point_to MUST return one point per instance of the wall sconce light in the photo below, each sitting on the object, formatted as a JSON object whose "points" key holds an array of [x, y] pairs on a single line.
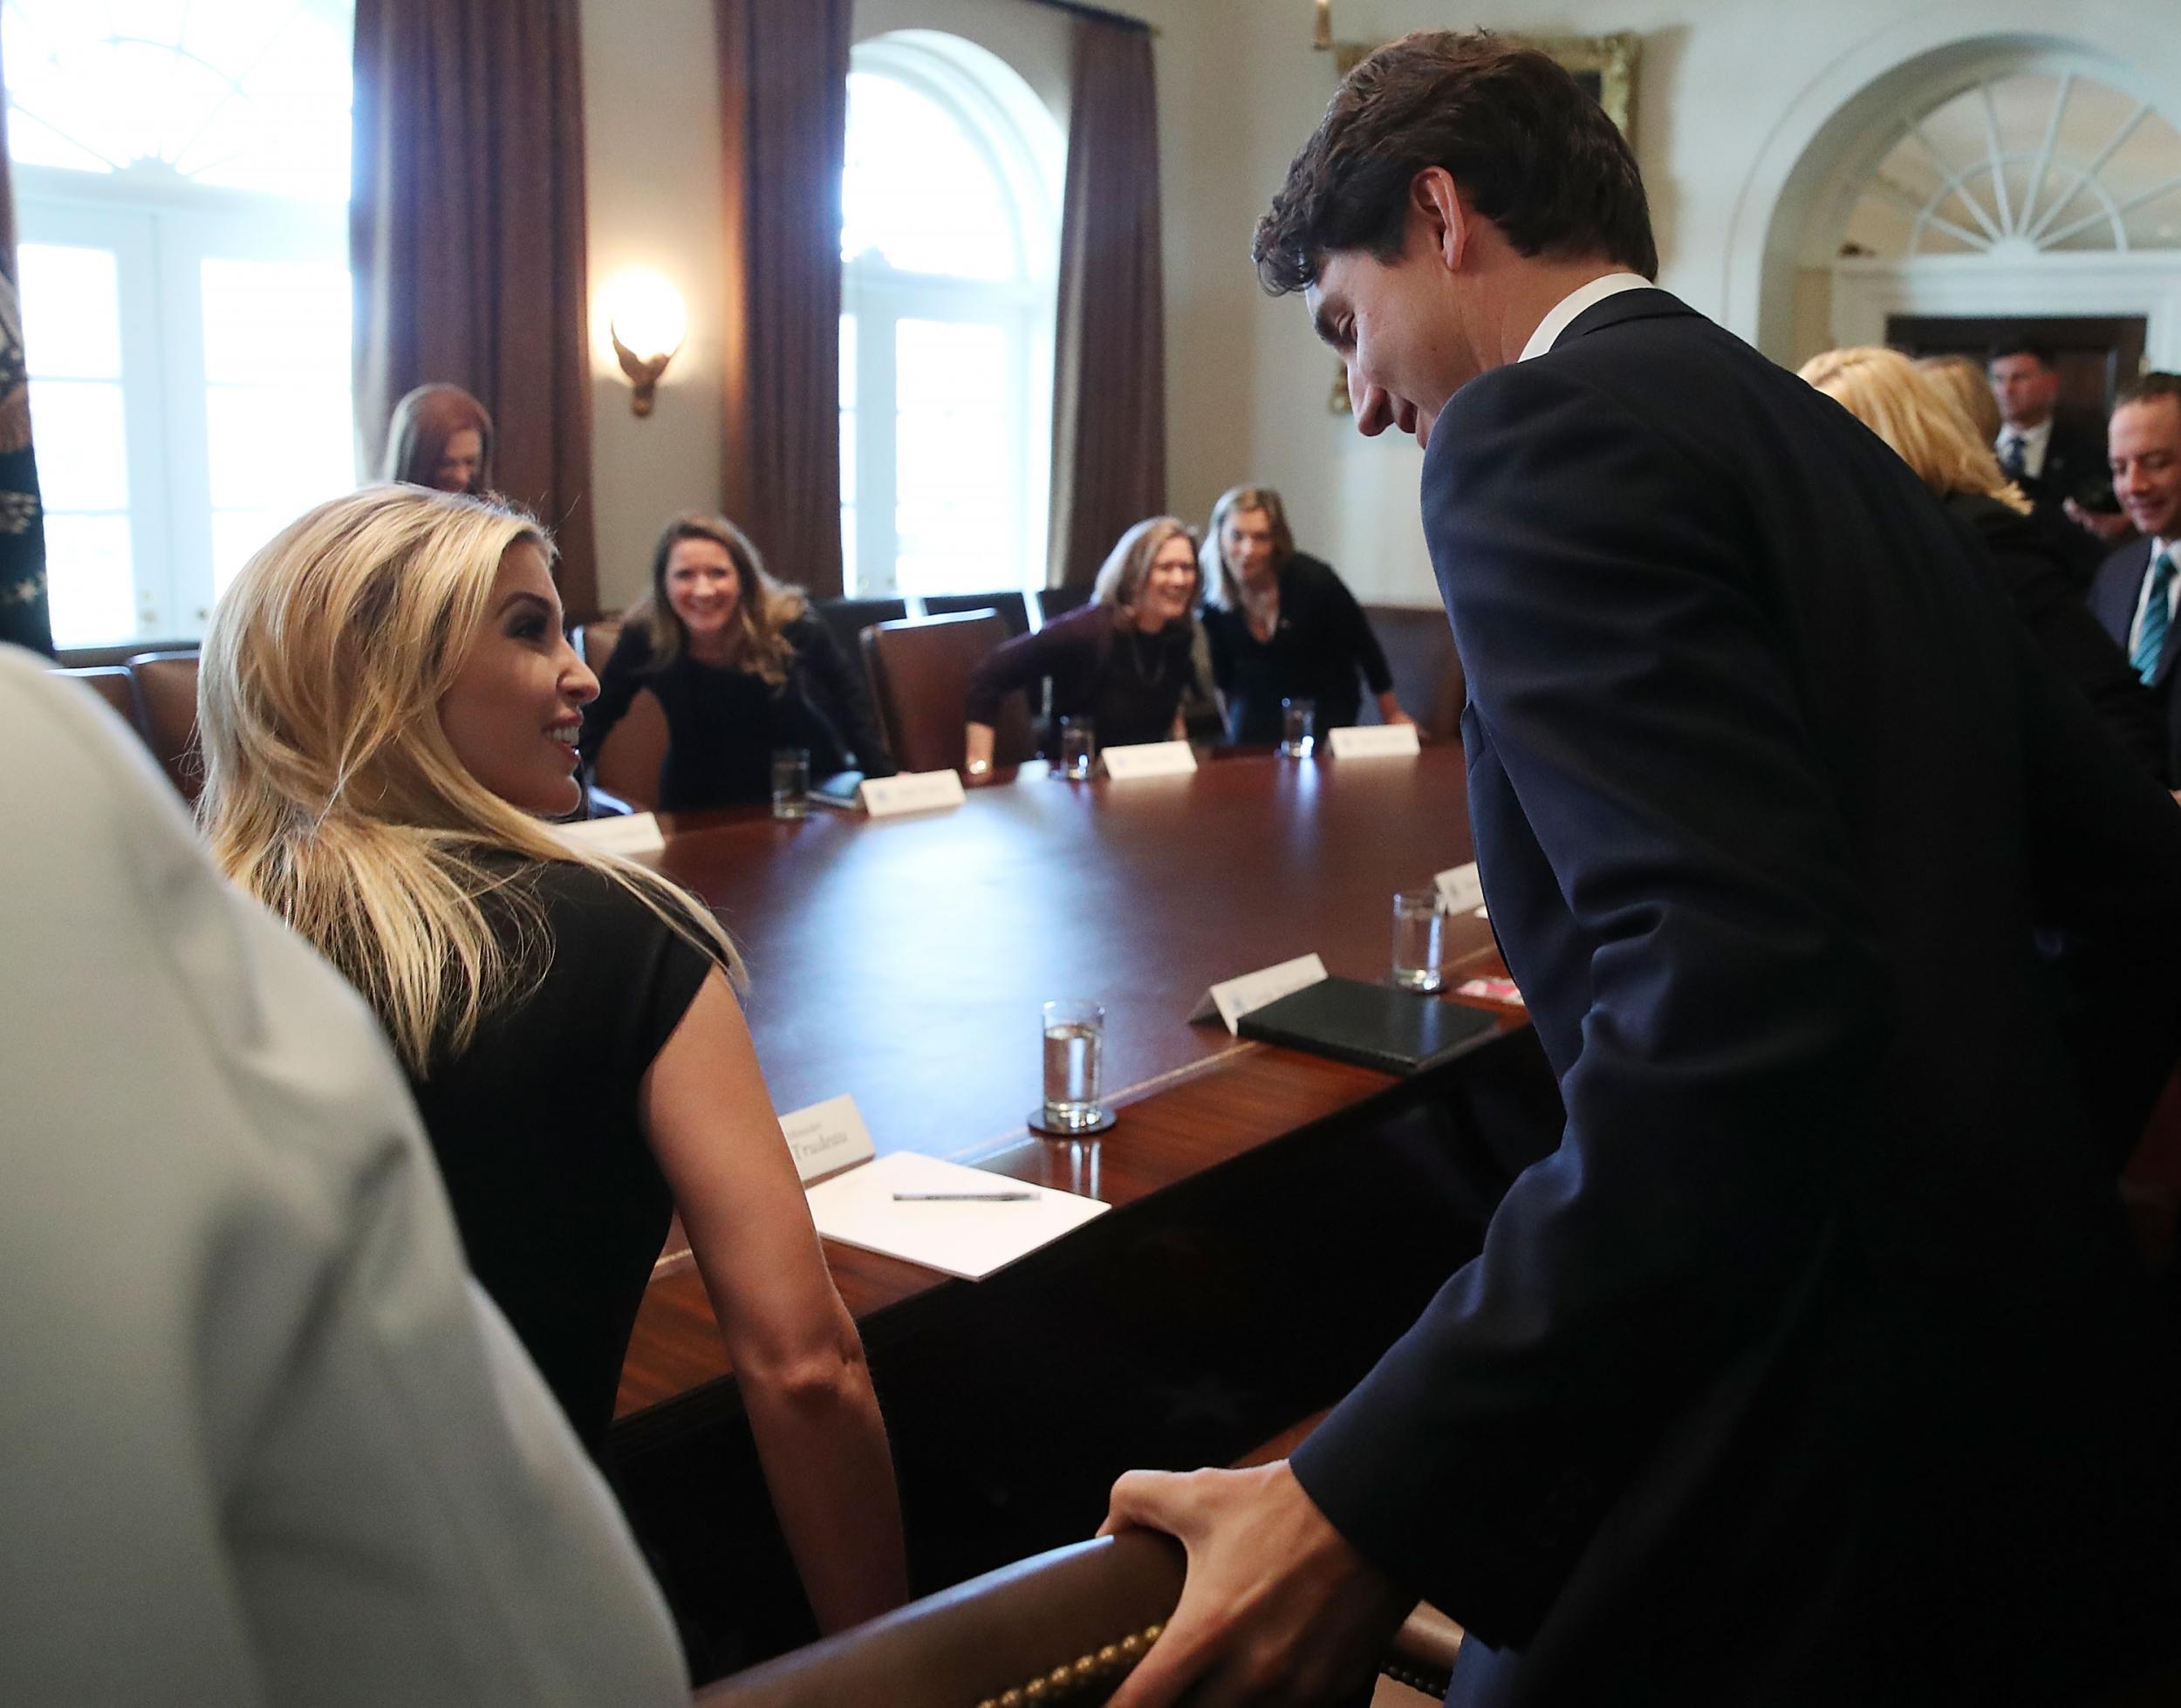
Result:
{"points": [[1322, 34], [647, 322]]}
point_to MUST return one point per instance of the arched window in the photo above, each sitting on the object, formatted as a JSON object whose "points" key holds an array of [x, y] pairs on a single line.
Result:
{"points": [[182, 179], [950, 241], [2023, 162]]}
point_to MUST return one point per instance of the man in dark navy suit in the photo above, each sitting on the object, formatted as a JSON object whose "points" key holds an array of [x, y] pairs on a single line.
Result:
{"points": [[2136, 589], [1814, 1366]]}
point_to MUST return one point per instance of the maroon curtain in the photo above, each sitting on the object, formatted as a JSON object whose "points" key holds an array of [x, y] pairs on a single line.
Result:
{"points": [[24, 619], [783, 77], [466, 237], [1109, 355]]}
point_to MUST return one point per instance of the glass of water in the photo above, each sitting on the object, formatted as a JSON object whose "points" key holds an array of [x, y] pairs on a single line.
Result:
{"points": [[1298, 727], [790, 782], [1074, 1039], [1418, 940], [1079, 747]]}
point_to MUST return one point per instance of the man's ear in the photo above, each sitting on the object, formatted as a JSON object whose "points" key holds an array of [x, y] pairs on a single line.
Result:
{"points": [[1436, 212]]}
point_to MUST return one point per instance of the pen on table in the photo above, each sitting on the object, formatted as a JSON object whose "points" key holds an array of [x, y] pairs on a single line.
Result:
{"points": [[961, 1198]]}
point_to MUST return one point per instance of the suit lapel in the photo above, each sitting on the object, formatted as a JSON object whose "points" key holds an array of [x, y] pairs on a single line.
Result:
{"points": [[2119, 584]]}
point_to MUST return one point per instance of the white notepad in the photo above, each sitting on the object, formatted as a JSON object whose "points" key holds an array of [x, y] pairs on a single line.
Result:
{"points": [[967, 1240]]}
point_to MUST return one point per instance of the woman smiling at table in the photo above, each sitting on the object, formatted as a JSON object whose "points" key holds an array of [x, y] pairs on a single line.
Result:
{"points": [[389, 710], [742, 666], [1124, 660]]}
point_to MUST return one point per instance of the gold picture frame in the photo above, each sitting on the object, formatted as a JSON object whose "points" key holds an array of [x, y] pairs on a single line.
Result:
{"points": [[1603, 65]]}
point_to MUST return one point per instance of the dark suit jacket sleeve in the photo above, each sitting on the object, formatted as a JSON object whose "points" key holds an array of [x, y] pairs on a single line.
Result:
{"points": [[1354, 632], [2040, 585], [838, 687], [1625, 671], [618, 684], [1065, 649], [2105, 852]]}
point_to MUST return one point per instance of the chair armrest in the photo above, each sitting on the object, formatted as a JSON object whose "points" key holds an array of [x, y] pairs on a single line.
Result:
{"points": [[1074, 1621]]}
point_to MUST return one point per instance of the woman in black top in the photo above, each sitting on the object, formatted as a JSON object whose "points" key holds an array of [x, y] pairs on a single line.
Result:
{"points": [[1282, 625], [1124, 660], [2028, 557], [740, 665], [389, 710]]}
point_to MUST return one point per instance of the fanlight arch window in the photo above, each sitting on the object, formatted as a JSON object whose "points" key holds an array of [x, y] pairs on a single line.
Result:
{"points": [[182, 175], [950, 235], [2042, 159]]}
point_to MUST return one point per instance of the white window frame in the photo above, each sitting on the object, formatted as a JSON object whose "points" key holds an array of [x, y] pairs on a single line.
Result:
{"points": [[161, 230], [879, 295]]}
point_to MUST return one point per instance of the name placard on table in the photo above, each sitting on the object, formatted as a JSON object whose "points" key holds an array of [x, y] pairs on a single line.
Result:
{"points": [[826, 1137], [632, 833], [1234, 998], [1378, 741], [1149, 759], [911, 791], [1460, 890]]}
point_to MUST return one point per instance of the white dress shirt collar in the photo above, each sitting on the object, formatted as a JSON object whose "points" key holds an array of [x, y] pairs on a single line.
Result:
{"points": [[1582, 296], [2034, 441]]}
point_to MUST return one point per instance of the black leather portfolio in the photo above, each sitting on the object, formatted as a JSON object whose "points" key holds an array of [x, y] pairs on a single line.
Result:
{"points": [[1374, 1026]]}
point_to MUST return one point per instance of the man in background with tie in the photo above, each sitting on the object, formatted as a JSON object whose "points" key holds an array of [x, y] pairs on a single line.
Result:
{"points": [[2059, 463], [2133, 593]]}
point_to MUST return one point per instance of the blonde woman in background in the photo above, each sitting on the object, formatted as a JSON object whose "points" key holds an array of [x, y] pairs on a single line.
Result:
{"points": [[1124, 660], [1936, 438], [389, 710]]}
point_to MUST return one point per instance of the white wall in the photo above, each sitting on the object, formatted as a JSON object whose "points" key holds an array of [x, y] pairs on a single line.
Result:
{"points": [[1731, 96], [654, 182]]}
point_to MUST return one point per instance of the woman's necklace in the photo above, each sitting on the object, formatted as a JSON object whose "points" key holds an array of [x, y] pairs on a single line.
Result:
{"points": [[1263, 611]]}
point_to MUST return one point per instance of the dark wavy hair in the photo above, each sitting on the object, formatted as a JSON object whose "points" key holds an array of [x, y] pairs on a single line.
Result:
{"points": [[1533, 151]]}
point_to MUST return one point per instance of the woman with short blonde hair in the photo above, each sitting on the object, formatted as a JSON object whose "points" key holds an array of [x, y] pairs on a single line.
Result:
{"points": [[2029, 560], [1125, 662], [389, 708], [742, 666]]}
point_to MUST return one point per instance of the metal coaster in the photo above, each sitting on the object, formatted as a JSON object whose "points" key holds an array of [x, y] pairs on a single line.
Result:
{"points": [[1035, 1122]]}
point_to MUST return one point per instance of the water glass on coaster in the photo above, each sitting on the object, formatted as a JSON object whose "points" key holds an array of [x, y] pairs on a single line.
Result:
{"points": [[1079, 747], [1075, 1041], [790, 782], [1418, 948], [1298, 727]]}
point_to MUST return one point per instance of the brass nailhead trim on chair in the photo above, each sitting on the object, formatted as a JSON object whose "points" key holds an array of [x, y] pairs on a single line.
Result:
{"points": [[1108, 1664]]}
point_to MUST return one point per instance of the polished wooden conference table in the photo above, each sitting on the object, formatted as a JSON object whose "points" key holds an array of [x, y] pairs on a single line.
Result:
{"points": [[1279, 1218], [904, 961]]}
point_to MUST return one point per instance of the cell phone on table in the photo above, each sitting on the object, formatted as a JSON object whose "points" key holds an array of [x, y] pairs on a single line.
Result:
{"points": [[838, 790]]}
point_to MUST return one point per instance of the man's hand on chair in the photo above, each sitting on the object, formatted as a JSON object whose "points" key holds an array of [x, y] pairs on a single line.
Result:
{"points": [[1277, 1607]]}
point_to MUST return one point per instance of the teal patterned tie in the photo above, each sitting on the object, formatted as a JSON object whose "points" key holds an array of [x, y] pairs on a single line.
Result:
{"points": [[2150, 639]]}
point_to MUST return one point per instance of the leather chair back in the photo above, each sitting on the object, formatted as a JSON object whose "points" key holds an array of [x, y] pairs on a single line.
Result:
{"points": [[1064, 1627], [596, 640], [627, 763], [1059, 601], [111, 683], [846, 619], [1427, 678], [919, 671], [1013, 608], [165, 688], [1072, 1623]]}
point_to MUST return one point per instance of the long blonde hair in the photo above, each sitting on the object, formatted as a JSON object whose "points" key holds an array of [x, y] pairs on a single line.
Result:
{"points": [[1964, 380], [1924, 425], [332, 793], [763, 607]]}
